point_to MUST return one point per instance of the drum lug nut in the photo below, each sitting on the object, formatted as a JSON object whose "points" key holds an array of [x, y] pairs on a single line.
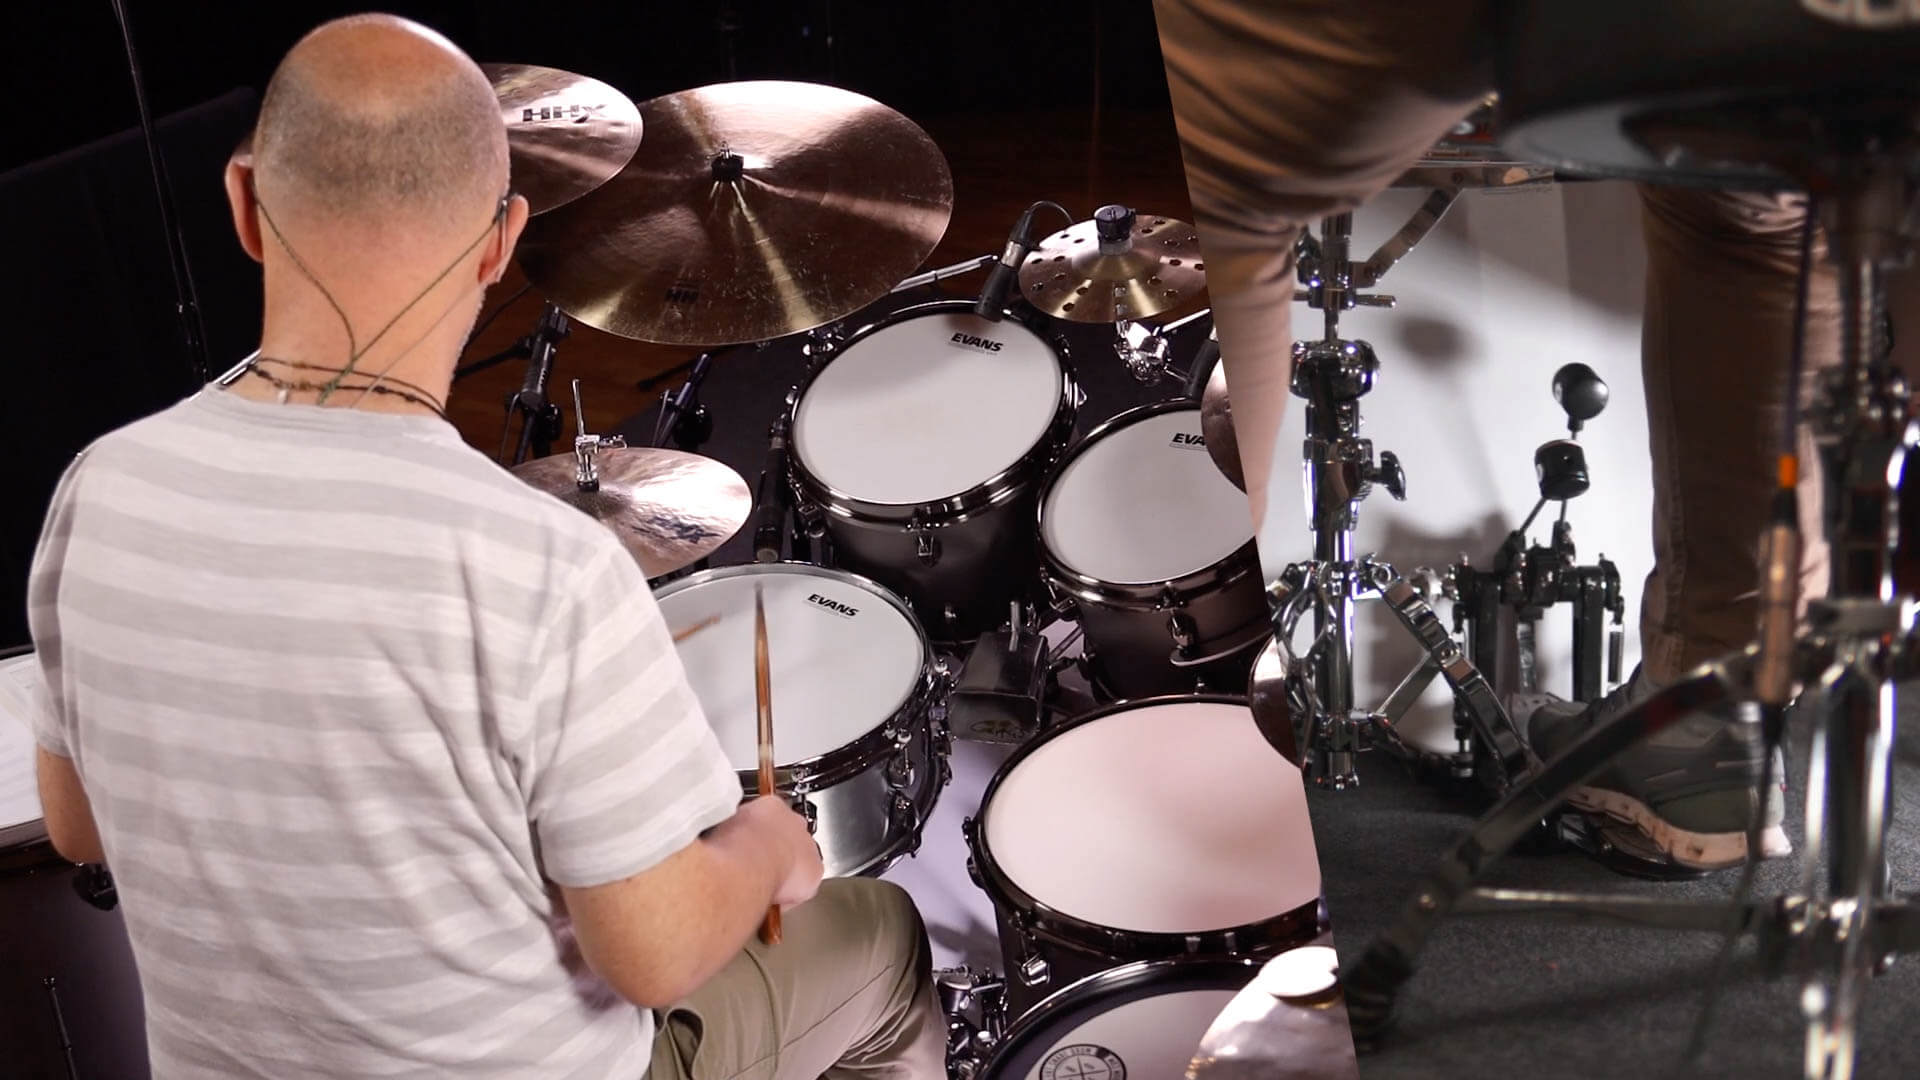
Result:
{"points": [[805, 808], [1180, 627], [1034, 970]]}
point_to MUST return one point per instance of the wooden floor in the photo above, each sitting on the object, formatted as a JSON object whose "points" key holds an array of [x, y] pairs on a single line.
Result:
{"points": [[1001, 163]]}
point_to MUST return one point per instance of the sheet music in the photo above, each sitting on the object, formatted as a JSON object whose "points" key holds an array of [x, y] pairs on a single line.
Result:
{"points": [[19, 696]]}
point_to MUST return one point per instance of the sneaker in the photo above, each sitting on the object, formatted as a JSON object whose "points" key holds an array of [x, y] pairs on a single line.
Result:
{"points": [[1689, 790]]}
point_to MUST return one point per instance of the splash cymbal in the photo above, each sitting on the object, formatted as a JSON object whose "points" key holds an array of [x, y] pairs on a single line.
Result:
{"points": [[1216, 425], [566, 134], [753, 210], [1120, 265], [669, 508]]}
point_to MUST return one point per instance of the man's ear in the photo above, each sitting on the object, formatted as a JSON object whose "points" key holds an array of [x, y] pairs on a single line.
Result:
{"points": [[246, 212], [499, 250]]}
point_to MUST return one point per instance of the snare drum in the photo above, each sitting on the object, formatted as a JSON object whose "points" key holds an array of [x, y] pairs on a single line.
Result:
{"points": [[68, 985], [857, 700], [920, 443], [1144, 830], [1151, 548]]}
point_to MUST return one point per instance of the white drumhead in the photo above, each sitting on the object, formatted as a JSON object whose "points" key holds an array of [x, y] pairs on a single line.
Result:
{"points": [[1153, 1038], [927, 408], [1145, 503], [1169, 818], [844, 658], [19, 696]]}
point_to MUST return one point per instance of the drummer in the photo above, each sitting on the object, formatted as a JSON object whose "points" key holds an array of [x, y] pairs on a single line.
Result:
{"points": [[1289, 111], [390, 755]]}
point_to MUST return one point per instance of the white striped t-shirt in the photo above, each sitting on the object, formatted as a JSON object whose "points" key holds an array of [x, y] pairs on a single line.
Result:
{"points": [[346, 696]]}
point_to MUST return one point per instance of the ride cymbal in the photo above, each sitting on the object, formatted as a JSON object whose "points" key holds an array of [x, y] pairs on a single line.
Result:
{"points": [[670, 508], [566, 134], [1289, 1023], [1120, 265], [753, 210]]}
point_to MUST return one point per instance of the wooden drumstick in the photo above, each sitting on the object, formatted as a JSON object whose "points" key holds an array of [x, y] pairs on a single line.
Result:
{"points": [[682, 635], [763, 693]]}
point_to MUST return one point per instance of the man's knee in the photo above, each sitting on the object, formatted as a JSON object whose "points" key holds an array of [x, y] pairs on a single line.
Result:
{"points": [[876, 911]]}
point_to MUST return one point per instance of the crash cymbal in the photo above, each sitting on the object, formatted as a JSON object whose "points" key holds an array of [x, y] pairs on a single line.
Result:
{"points": [[1120, 265], [566, 134], [1289, 1023], [1216, 425], [753, 210], [670, 508]]}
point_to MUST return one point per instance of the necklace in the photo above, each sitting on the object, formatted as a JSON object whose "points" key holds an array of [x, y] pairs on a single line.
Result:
{"points": [[411, 392]]}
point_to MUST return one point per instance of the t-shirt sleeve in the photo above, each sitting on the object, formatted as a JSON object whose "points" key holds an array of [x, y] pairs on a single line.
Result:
{"points": [[624, 769], [50, 713]]}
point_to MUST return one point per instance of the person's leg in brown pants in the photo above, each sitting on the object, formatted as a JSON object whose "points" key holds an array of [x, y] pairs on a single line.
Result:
{"points": [[1291, 110], [848, 993]]}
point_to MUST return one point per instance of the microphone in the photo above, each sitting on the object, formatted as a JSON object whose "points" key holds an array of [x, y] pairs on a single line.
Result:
{"points": [[992, 304], [770, 497]]}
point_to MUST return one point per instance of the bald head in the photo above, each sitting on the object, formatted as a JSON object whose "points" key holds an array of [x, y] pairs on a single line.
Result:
{"points": [[379, 123]]}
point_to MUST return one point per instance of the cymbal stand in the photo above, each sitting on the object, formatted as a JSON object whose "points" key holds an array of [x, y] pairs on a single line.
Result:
{"points": [[538, 416], [1333, 374], [1840, 927]]}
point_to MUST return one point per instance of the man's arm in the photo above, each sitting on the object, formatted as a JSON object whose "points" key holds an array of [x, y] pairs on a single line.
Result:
{"points": [[69, 816], [657, 936]]}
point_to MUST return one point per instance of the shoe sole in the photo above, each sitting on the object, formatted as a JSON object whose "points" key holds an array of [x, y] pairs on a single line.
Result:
{"points": [[1697, 851]]}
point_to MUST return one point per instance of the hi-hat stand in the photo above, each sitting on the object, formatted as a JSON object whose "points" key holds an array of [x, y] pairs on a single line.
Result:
{"points": [[1323, 731], [1841, 927]]}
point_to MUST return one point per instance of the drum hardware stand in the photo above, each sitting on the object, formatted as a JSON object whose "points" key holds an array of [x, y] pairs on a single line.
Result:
{"points": [[1333, 374], [683, 419], [975, 1004], [539, 417], [1841, 927], [1144, 350], [919, 281]]}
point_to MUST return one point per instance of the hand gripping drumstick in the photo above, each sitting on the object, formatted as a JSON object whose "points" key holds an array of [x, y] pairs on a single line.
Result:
{"points": [[763, 693]]}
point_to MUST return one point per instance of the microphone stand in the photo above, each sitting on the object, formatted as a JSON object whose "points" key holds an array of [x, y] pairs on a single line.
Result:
{"points": [[539, 416], [193, 331], [682, 418]]}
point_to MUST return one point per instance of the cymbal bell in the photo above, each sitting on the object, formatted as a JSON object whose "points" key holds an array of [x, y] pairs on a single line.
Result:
{"points": [[668, 507], [1216, 426], [566, 134], [752, 210], [1120, 265], [1289, 1023]]}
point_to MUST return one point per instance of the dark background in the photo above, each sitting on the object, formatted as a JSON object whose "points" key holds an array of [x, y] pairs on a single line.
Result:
{"points": [[86, 283]]}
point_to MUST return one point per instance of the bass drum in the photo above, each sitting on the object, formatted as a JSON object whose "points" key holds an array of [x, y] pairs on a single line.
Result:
{"points": [[920, 444], [70, 1003]]}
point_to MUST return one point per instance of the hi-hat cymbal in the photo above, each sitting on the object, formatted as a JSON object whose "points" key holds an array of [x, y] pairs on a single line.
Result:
{"points": [[753, 210], [1120, 265], [1216, 425], [670, 508], [566, 134], [1289, 1023]]}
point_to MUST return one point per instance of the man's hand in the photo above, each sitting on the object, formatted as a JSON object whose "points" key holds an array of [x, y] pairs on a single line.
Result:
{"points": [[787, 831]]}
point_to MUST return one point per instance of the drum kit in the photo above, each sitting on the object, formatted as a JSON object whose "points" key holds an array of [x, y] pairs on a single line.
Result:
{"points": [[925, 519]]}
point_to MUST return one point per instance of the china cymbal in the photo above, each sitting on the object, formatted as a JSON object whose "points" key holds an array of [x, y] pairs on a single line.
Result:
{"points": [[1216, 425], [670, 508], [1120, 265], [753, 210], [1289, 1023], [566, 134]]}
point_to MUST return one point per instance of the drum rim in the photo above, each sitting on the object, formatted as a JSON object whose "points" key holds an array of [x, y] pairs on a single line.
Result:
{"points": [[1020, 1035], [963, 506], [1035, 916], [850, 760], [1149, 595], [21, 834]]}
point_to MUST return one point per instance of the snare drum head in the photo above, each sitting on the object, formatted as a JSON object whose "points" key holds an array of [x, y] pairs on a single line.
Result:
{"points": [[927, 408], [1140, 1022], [1143, 502], [1169, 817], [843, 652]]}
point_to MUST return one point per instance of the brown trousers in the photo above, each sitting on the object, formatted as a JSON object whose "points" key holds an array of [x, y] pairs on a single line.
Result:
{"points": [[848, 993], [1290, 110]]}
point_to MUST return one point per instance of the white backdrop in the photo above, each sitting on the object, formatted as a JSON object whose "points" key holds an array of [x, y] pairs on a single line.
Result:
{"points": [[1509, 286]]}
